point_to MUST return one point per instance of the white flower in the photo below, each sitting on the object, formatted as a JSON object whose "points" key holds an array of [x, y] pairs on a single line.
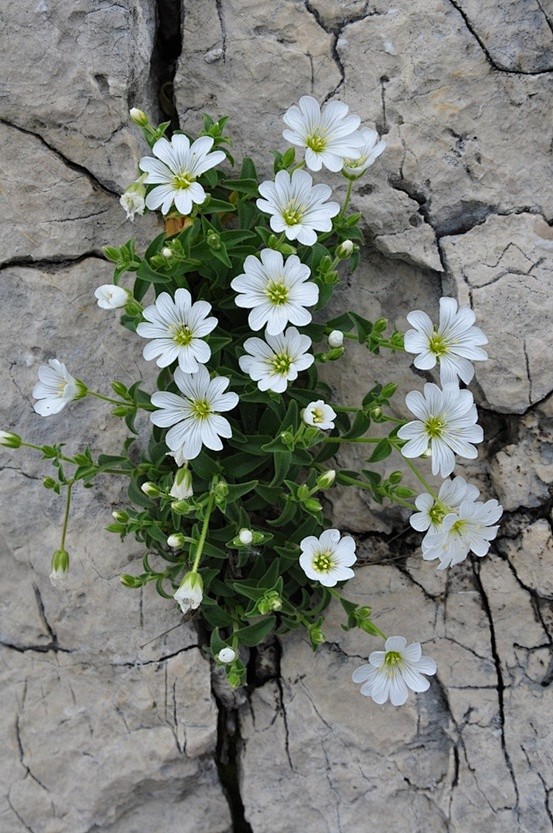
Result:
{"points": [[195, 417], [392, 672], [328, 135], [226, 655], [336, 338], [328, 558], [454, 343], [319, 415], [55, 388], [133, 202], [470, 528], [297, 206], [278, 360], [177, 328], [175, 171], [432, 512], [190, 593], [245, 536], [60, 569], [182, 484], [277, 291], [111, 297], [366, 154], [446, 424]]}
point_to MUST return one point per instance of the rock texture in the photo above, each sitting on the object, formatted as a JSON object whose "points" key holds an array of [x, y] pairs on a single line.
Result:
{"points": [[108, 721]]}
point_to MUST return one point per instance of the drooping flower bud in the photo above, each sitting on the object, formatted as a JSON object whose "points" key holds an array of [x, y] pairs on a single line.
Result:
{"points": [[60, 567]]}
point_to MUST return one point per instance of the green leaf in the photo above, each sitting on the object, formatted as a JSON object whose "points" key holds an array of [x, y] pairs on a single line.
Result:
{"points": [[282, 460], [147, 274], [360, 425], [252, 635], [382, 450]]}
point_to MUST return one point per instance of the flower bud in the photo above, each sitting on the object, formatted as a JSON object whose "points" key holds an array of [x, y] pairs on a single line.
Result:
{"points": [[336, 338], [181, 507], [312, 505], [131, 581], [176, 541], [245, 536], [226, 655], [166, 252], [220, 491], [139, 117], [60, 567], [345, 249], [326, 479], [120, 517], [151, 489], [316, 635], [10, 440], [269, 602], [49, 483]]}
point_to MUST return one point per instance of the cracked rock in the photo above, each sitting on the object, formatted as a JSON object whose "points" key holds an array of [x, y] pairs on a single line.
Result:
{"points": [[503, 269]]}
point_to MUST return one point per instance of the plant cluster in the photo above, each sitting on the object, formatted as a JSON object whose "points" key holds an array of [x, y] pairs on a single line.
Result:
{"points": [[228, 301]]}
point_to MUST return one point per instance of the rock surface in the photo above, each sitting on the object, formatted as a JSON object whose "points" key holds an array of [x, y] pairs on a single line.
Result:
{"points": [[108, 720]]}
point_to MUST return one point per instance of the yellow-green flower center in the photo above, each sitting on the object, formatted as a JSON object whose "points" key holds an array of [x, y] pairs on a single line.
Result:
{"points": [[392, 659], [183, 180], [317, 415], [437, 514], [292, 214], [277, 293], [322, 562], [316, 142], [435, 427], [437, 345], [355, 163], [182, 335], [458, 527], [201, 409], [281, 363]]}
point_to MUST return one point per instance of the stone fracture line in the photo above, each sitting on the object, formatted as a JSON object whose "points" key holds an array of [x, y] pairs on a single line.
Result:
{"points": [[336, 33], [487, 55], [500, 682], [68, 162], [220, 15], [51, 264]]}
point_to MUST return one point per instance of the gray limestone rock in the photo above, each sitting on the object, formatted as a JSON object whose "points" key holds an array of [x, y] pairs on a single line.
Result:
{"points": [[108, 720], [503, 269], [80, 67]]}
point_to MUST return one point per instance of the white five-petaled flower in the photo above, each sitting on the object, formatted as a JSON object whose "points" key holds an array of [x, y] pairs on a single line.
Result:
{"points": [[190, 593], [470, 528], [390, 673], [177, 328], [175, 172], [432, 512], [328, 134], [55, 388], [278, 360], [328, 558], [195, 416], [110, 296], [366, 155], [454, 343], [445, 424], [276, 290], [319, 415], [298, 207]]}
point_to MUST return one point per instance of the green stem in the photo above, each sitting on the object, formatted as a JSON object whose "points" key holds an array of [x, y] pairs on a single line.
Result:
{"points": [[347, 199], [417, 473], [353, 440], [346, 410], [126, 403], [66, 516], [344, 478], [203, 534]]}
